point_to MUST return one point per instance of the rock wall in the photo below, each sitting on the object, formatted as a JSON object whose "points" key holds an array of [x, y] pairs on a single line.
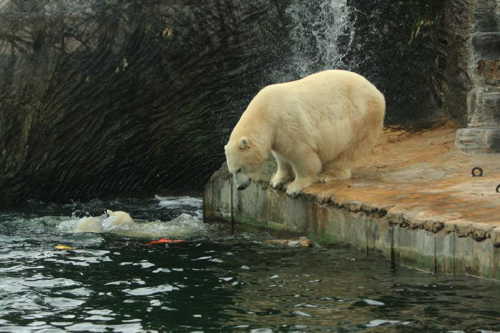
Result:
{"points": [[482, 134], [128, 97], [401, 47]]}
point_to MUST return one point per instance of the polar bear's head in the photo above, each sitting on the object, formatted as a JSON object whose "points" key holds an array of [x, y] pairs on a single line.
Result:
{"points": [[244, 161], [119, 217]]}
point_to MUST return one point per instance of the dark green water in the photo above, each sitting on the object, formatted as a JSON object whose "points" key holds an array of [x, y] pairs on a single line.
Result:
{"points": [[217, 281]]}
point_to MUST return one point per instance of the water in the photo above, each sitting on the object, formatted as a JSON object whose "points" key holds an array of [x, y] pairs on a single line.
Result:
{"points": [[322, 34], [215, 281]]}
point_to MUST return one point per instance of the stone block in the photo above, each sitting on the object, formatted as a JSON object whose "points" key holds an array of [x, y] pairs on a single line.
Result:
{"points": [[297, 214], [476, 258], [217, 200], [487, 45], [484, 108], [488, 72], [415, 248], [379, 237], [445, 253], [483, 140], [497, 15], [490, 109], [484, 16], [334, 228]]}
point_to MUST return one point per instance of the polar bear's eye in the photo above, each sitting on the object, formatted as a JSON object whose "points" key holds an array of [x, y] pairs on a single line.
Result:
{"points": [[239, 170]]}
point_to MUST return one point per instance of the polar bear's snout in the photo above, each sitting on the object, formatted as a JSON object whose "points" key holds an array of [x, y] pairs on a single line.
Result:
{"points": [[241, 163], [243, 186], [242, 181]]}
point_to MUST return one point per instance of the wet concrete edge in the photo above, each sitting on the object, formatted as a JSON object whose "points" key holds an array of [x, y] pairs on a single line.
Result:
{"points": [[433, 246]]}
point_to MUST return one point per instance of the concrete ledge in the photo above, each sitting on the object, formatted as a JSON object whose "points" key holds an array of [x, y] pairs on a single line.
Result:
{"points": [[404, 228], [429, 247]]}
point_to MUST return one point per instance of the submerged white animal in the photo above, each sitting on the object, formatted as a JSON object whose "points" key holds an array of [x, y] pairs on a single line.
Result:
{"points": [[89, 224], [121, 223], [118, 218], [96, 225]]}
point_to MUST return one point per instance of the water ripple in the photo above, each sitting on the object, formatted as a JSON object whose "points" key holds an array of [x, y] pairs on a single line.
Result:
{"points": [[121, 283], [150, 290]]}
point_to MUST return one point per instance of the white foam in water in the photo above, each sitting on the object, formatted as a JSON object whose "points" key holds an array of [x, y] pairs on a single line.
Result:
{"points": [[178, 202], [372, 302], [150, 290], [182, 226], [301, 314], [70, 225], [381, 322], [182, 203]]}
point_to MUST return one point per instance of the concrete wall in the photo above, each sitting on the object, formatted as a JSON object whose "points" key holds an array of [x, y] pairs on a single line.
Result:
{"points": [[427, 247]]}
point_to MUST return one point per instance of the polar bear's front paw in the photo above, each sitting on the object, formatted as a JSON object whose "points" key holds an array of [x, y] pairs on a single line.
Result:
{"points": [[279, 180], [297, 186]]}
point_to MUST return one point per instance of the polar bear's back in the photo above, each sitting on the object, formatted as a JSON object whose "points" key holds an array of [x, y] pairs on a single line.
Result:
{"points": [[327, 110], [326, 93]]}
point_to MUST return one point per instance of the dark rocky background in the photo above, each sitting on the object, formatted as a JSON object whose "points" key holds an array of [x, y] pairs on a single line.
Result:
{"points": [[138, 96]]}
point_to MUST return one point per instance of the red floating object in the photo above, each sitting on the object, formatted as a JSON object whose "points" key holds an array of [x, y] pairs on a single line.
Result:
{"points": [[167, 241]]}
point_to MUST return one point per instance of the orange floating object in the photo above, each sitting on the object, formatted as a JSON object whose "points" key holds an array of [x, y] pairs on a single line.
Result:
{"points": [[167, 241]]}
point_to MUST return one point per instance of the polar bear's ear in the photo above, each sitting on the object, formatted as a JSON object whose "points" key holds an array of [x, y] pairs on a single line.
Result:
{"points": [[244, 143]]}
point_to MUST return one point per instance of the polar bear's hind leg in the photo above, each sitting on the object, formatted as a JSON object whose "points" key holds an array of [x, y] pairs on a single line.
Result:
{"points": [[307, 165], [335, 173], [339, 169]]}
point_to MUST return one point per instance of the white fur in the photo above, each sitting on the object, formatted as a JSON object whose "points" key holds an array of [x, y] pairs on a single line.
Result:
{"points": [[89, 224], [316, 128], [94, 224], [119, 218]]}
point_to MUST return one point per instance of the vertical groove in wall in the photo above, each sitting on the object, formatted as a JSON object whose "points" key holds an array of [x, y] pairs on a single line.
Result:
{"points": [[454, 246], [435, 257], [495, 263], [367, 236], [393, 255], [231, 184]]}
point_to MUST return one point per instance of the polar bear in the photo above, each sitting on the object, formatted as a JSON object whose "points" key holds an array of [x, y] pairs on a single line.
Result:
{"points": [[99, 225], [316, 128], [117, 218], [89, 224]]}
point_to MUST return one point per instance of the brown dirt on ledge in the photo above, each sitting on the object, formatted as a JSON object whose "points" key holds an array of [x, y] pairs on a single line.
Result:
{"points": [[422, 175]]}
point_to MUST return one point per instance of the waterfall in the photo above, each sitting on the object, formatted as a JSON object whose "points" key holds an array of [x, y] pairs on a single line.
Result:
{"points": [[322, 33]]}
